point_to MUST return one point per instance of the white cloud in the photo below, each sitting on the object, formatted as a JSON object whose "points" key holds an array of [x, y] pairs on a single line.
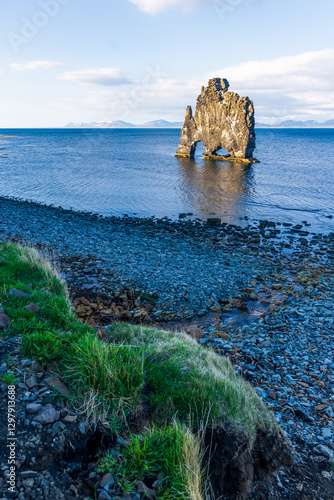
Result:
{"points": [[292, 87], [33, 65], [154, 96], [287, 87], [154, 6], [221, 7], [310, 70], [99, 76]]}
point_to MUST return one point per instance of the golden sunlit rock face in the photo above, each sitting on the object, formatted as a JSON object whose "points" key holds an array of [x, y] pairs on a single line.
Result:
{"points": [[222, 119]]}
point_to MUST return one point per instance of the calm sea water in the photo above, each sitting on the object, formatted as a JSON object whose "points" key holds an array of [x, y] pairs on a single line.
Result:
{"points": [[114, 172]]}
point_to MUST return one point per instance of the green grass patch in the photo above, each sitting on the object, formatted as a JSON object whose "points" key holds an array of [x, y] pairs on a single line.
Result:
{"points": [[47, 334], [188, 381], [8, 378], [172, 450]]}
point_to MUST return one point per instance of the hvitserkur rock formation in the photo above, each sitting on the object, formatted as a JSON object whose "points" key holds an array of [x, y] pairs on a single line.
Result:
{"points": [[222, 119]]}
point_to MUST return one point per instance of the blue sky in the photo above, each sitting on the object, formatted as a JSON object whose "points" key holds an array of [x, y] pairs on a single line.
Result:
{"points": [[139, 60]]}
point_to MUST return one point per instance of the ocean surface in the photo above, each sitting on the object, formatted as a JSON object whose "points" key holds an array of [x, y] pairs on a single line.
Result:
{"points": [[134, 172]]}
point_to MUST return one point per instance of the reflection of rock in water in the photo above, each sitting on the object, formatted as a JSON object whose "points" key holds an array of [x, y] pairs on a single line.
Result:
{"points": [[208, 187], [222, 119]]}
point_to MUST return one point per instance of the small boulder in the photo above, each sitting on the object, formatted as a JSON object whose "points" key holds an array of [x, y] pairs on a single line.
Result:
{"points": [[70, 419], [57, 385], [107, 482], [31, 381], [48, 415], [221, 335], [84, 301], [18, 293], [144, 490], [321, 449], [32, 308], [36, 366], [33, 407], [4, 321], [104, 495], [302, 415], [261, 392], [28, 483], [213, 221]]}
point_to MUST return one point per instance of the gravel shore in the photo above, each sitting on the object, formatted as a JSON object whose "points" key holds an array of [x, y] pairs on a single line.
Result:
{"points": [[269, 285], [189, 265]]}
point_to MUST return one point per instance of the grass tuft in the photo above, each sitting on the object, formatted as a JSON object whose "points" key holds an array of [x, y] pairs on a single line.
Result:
{"points": [[172, 450], [113, 374], [8, 378], [42, 269]]}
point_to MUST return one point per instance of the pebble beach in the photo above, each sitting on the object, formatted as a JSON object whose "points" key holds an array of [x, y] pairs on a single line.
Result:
{"points": [[261, 293]]}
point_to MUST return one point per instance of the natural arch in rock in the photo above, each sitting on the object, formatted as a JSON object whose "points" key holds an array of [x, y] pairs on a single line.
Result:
{"points": [[222, 119]]}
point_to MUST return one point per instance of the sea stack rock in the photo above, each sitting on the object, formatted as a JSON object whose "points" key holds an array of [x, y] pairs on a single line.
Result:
{"points": [[222, 119]]}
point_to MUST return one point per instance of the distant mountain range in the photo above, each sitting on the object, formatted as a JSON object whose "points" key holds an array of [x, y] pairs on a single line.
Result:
{"points": [[121, 124], [297, 124], [166, 124]]}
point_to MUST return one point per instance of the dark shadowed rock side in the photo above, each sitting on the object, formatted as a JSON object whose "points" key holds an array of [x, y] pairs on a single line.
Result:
{"points": [[222, 119]]}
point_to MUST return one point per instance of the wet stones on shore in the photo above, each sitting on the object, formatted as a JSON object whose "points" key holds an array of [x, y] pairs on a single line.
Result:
{"points": [[186, 263]]}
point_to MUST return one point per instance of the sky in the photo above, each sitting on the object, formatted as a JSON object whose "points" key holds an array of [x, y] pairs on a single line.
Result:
{"points": [[140, 60]]}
